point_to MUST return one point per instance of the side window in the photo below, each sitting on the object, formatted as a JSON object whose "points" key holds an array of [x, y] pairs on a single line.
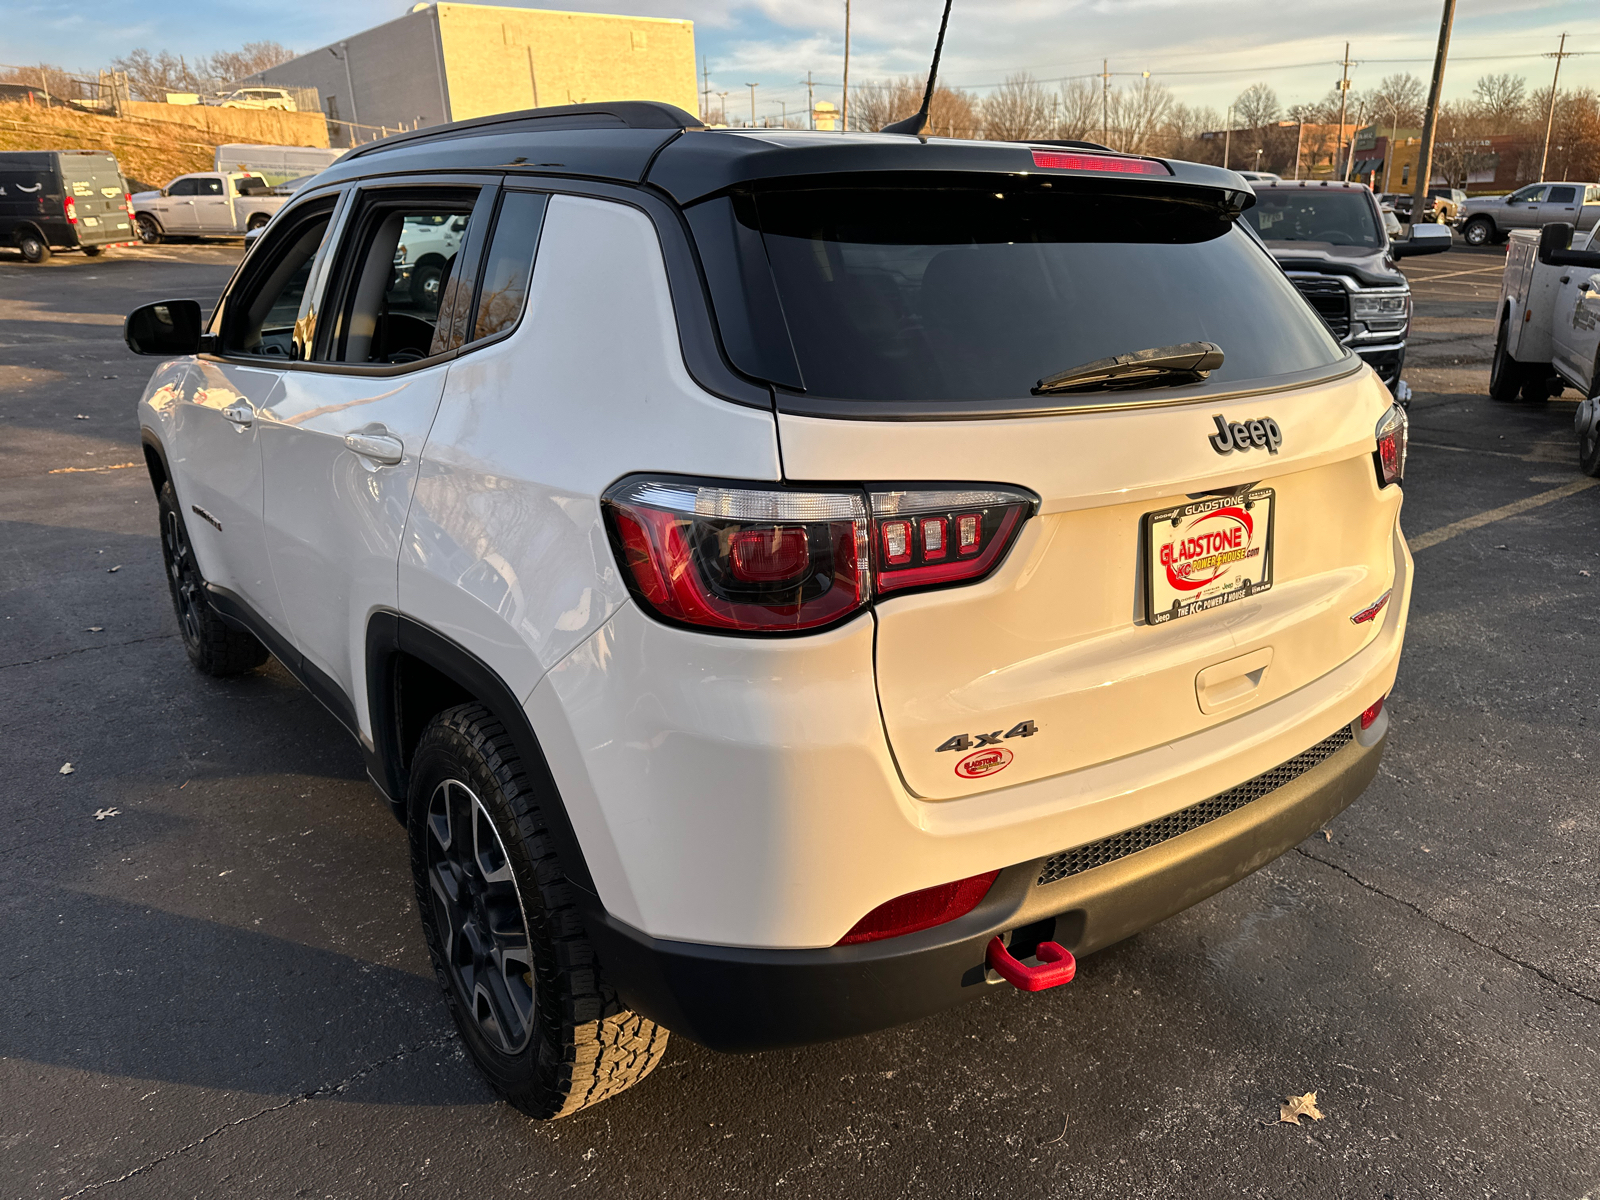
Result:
{"points": [[184, 187], [396, 270], [1563, 195], [260, 313], [508, 264], [1528, 194], [209, 187]]}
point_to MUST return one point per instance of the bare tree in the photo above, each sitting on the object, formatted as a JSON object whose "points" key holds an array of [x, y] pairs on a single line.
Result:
{"points": [[1575, 136], [250, 59], [1137, 113], [1397, 101], [874, 105], [152, 76], [1501, 99], [51, 80], [1017, 110], [1078, 116], [1257, 107]]}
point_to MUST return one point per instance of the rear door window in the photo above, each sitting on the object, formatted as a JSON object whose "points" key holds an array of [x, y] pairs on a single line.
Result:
{"points": [[967, 292]]}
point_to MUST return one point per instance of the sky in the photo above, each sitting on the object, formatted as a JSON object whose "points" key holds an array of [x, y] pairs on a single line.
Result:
{"points": [[1206, 51]]}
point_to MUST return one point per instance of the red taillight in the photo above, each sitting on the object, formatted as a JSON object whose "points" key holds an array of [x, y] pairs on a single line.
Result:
{"points": [[1371, 715], [773, 560], [1052, 160], [921, 910], [71, 209], [1392, 433]]}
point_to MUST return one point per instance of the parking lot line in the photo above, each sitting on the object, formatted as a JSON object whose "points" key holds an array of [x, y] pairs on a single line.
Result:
{"points": [[1467, 524]]}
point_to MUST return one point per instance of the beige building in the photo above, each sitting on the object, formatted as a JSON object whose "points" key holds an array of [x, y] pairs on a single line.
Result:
{"points": [[449, 62]]}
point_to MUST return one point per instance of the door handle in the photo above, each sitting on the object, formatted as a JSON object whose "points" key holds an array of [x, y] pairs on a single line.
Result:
{"points": [[376, 446], [240, 414]]}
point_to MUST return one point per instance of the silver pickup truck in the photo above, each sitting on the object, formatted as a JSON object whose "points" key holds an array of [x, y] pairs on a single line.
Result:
{"points": [[1486, 219], [1549, 326], [207, 204]]}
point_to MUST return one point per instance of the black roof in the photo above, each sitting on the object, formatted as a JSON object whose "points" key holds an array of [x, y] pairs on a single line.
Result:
{"points": [[645, 142]]}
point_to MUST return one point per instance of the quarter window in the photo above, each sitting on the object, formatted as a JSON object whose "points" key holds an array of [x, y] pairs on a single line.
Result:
{"points": [[509, 263]]}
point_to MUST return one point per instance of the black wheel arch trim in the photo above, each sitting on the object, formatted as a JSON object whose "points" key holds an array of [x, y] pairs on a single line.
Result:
{"points": [[390, 638]]}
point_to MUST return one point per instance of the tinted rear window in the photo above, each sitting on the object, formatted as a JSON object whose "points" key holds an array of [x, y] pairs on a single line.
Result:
{"points": [[976, 293]]}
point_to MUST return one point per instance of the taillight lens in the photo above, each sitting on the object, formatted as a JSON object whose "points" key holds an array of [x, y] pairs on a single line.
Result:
{"points": [[741, 559], [1371, 714], [921, 910], [776, 560], [931, 537], [71, 207], [1392, 433]]}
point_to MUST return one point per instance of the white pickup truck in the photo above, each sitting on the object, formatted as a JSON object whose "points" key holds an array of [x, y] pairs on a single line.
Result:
{"points": [[1549, 326], [208, 204]]}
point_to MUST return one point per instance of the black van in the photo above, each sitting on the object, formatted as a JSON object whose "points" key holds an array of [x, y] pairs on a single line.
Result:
{"points": [[63, 199]]}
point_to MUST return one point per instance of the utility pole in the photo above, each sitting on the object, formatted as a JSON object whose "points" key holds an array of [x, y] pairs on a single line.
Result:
{"points": [[1227, 138], [1299, 135], [752, 87], [844, 123], [811, 104], [705, 92], [1344, 101], [1550, 114], [1105, 101], [1419, 185]]}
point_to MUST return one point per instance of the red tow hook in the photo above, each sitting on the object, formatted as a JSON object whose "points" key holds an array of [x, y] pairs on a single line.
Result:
{"points": [[1056, 966]]}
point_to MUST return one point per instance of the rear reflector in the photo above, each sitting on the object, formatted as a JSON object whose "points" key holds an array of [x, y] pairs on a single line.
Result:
{"points": [[1051, 160], [921, 910], [1371, 715]]}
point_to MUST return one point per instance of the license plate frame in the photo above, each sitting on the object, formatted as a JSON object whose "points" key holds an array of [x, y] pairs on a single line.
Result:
{"points": [[1244, 521]]}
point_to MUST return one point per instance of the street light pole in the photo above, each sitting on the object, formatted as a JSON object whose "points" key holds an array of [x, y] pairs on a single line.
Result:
{"points": [[752, 87], [1419, 189], [844, 106], [1344, 101], [355, 115]]}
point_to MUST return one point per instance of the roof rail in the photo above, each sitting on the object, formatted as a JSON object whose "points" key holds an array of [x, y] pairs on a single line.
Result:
{"points": [[618, 114]]}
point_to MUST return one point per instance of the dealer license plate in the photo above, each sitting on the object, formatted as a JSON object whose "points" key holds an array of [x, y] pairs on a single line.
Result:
{"points": [[1207, 553]]}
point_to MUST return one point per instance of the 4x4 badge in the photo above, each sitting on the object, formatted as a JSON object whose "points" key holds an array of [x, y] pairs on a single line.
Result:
{"points": [[1263, 433]]}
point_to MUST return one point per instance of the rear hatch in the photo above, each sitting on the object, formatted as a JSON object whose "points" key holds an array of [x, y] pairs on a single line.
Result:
{"points": [[927, 311], [93, 182]]}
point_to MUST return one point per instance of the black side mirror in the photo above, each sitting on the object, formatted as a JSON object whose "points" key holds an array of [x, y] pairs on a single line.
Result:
{"points": [[164, 330], [1554, 239]]}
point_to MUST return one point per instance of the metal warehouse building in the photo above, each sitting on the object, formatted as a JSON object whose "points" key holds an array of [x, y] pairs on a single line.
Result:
{"points": [[449, 62]]}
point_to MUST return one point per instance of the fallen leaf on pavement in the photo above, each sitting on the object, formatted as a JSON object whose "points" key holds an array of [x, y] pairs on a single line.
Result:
{"points": [[114, 570], [95, 629], [1295, 1107], [100, 814], [1327, 835], [67, 768]]}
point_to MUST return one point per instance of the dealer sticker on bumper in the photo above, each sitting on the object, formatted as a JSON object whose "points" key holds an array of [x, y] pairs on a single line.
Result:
{"points": [[1206, 553]]}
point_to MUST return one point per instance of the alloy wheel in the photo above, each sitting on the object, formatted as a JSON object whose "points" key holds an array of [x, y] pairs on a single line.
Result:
{"points": [[185, 577], [479, 916]]}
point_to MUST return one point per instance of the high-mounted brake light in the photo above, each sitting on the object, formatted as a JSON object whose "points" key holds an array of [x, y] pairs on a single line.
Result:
{"points": [[777, 560], [71, 207], [1390, 458], [1054, 160]]}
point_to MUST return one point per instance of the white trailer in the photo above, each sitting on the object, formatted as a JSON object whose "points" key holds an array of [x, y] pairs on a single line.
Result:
{"points": [[1548, 319], [276, 162]]}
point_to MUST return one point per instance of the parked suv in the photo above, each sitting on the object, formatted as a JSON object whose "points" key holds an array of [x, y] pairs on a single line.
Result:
{"points": [[1486, 219], [1334, 244], [787, 583]]}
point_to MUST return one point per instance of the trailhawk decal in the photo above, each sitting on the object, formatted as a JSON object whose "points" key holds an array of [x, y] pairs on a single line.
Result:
{"points": [[984, 762], [1207, 553], [1371, 610]]}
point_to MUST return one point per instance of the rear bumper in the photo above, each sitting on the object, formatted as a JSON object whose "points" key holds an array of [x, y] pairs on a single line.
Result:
{"points": [[1387, 360], [737, 999]]}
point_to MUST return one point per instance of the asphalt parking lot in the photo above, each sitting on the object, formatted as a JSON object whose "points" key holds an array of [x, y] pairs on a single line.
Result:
{"points": [[215, 982]]}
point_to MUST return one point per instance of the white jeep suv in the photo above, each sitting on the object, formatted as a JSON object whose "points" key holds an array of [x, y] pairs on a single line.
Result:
{"points": [[787, 583]]}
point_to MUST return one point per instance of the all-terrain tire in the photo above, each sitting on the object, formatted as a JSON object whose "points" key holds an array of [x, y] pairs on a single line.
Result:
{"points": [[213, 646], [256, 221], [1507, 376], [33, 247], [518, 973], [149, 229], [1479, 231]]}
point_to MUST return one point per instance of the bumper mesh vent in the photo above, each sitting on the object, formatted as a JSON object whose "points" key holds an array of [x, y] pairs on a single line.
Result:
{"points": [[1096, 854]]}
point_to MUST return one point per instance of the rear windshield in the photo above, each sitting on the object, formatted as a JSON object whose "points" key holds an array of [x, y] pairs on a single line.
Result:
{"points": [[1338, 217], [976, 293]]}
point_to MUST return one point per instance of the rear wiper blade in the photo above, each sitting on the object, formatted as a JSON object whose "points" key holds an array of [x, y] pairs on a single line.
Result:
{"points": [[1165, 366]]}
